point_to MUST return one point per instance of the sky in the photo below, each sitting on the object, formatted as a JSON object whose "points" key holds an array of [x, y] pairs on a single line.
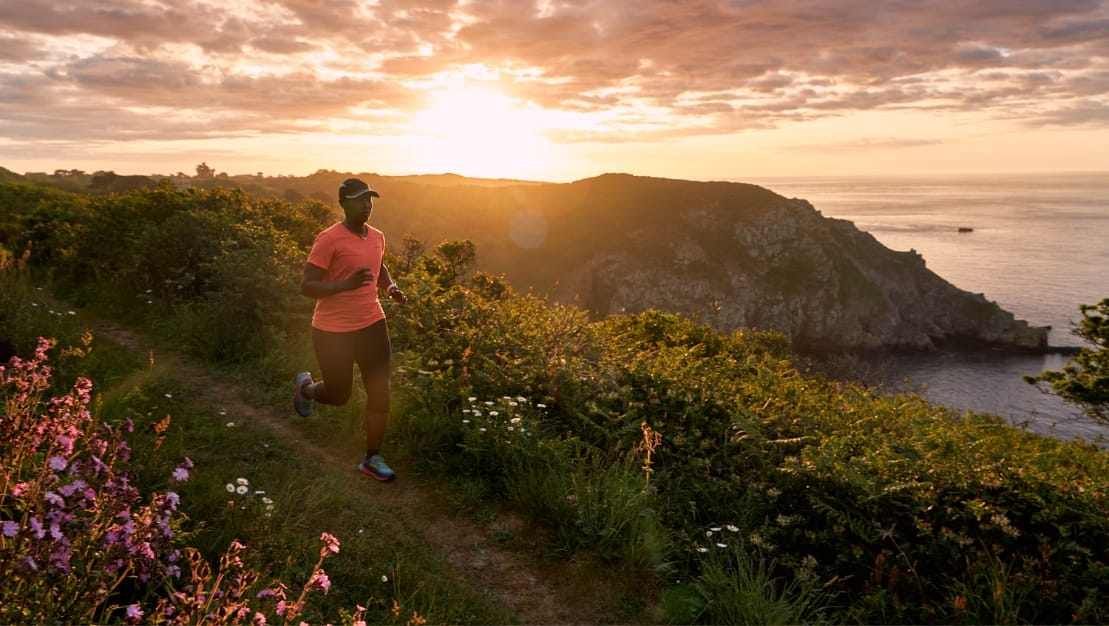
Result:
{"points": [[556, 90]]}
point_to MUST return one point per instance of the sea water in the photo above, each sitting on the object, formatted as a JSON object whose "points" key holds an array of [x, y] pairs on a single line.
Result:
{"points": [[1038, 245]]}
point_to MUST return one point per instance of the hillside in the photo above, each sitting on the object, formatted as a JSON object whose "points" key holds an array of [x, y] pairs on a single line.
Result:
{"points": [[732, 255], [701, 473]]}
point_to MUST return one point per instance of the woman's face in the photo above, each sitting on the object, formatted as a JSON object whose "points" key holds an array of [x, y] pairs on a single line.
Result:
{"points": [[358, 209]]}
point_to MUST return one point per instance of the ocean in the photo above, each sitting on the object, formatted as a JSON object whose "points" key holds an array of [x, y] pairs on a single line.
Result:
{"points": [[1038, 245]]}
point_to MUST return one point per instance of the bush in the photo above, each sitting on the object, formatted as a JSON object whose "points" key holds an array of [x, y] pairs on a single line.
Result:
{"points": [[79, 545]]}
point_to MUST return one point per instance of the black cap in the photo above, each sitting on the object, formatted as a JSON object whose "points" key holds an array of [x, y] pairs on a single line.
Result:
{"points": [[354, 187]]}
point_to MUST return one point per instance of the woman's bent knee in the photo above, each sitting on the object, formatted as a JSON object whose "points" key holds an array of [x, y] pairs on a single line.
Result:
{"points": [[333, 397]]}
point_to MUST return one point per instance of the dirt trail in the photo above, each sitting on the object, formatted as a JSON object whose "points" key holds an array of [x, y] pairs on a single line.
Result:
{"points": [[536, 591]]}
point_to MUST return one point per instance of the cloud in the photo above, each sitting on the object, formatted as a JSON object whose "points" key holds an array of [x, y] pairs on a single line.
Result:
{"points": [[865, 144], [660, 68]]}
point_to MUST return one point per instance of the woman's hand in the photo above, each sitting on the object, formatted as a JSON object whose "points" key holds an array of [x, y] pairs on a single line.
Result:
{"points": [[397, 295], [361, 276]]}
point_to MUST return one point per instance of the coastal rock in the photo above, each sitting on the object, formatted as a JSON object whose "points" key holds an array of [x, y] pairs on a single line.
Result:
{"points": [[733, 255], [783, 266]]}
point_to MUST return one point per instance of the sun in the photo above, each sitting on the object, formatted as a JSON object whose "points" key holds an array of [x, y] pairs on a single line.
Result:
{"points": [[477, 132]]}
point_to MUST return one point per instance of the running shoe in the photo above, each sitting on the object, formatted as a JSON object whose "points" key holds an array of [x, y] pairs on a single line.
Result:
{"points": [[376, 467], [302, 404]]}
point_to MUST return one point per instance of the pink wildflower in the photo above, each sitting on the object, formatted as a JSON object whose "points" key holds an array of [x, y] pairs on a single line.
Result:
{"points": [[331, 542], [321, 581]]}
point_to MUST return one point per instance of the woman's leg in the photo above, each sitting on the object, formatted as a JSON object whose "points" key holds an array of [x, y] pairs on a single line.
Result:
{"points": [[335, 355], [372, 354]]}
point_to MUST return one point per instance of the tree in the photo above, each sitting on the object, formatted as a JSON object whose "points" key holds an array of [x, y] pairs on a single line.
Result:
{"points": [[203, 171], [1085, 381], [457, 255]]}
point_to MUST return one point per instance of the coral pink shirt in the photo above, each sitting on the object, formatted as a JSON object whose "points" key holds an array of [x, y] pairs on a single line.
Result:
{"points": [[340, 253]]}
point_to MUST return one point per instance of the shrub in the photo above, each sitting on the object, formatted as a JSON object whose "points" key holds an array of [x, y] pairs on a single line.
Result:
{"points": [[79, 545], [76, 536]]}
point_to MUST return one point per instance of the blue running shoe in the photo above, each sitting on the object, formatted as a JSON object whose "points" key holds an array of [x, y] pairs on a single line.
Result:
{"points": [[302, 404], [376, 467]]}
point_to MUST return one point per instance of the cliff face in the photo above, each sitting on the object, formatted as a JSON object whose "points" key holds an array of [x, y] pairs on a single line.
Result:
{"points": [[782, 265], [729, 254]]}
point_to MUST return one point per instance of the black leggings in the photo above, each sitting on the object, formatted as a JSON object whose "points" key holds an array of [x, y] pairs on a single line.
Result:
{"points": [[338, 352]]}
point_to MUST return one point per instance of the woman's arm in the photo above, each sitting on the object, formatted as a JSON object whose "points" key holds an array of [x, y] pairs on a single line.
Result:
{"points": [[385, 281], [313, 285]]}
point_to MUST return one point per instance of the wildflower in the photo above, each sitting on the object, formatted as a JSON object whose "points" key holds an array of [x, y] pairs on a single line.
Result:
{"points": [[230, 424], [716, 529], [541, 406], [134, 612], [384, 578], [169, 396], [721, 545], [242, 490], [36, 527], [57, 463], [472, 399], [10, 528], [331, 542], [242, 481], [180, 474], [493, 413], [320, 580], [732, 528], [702, 549], [230, 488], [516, 420]]}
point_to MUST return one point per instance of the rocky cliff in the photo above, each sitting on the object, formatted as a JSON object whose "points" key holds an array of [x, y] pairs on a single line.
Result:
{"points": [[730, 254]]}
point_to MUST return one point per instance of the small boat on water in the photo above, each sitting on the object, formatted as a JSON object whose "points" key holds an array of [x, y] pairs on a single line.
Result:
{"points": [[966, 229]]}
